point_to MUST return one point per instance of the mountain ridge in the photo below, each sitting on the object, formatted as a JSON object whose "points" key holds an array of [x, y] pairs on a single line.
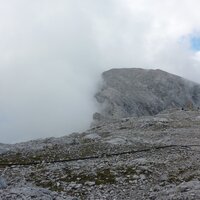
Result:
{"points": [[131, 92]]}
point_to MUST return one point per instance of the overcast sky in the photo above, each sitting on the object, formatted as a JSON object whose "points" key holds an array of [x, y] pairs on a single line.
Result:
{"points": [[52, 53]]}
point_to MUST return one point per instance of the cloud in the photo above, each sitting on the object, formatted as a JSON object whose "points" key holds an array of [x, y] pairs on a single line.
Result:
{"points": [[53, 52]]}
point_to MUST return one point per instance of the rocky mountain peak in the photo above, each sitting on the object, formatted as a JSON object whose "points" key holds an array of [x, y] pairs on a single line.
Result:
{"points": [[137, 92]]}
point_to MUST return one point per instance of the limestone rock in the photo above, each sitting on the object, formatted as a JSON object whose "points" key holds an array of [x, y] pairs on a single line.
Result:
{"points": [[32, 193], [3, 184], [139, 92]]}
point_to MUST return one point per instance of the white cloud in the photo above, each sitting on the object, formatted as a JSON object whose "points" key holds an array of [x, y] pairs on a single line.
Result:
{"points": [[52, 54]]}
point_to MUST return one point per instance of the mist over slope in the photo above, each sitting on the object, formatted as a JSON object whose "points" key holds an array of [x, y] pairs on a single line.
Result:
{"points": [[138, 92]]}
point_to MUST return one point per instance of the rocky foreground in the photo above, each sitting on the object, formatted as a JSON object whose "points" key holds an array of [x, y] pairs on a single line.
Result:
{"points": [[154, 157]]}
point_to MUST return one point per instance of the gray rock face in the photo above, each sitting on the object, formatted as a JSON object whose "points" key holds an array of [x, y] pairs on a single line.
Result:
{"points": [[32, 193], [3, 184], [139, 92]]}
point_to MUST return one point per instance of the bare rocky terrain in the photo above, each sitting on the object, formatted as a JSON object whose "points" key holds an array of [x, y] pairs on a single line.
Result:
{"points": [[135, 157]]}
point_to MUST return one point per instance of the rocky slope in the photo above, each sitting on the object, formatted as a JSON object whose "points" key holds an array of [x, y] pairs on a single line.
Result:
{"points": [[155, 157], [138, 92], [147, 157]]}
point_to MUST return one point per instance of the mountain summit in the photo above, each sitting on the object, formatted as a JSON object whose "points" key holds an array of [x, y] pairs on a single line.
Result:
{"points": [[131, 92]]}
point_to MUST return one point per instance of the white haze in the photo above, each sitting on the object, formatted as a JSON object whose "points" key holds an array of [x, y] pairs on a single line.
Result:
{"points": [[53, 52]]}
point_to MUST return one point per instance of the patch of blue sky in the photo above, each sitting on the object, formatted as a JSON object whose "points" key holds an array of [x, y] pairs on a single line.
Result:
{"points": [[192, 41], [195, 42]]}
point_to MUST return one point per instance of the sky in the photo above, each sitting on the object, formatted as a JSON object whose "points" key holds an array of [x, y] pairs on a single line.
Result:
{"points": [[52, 54]]}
